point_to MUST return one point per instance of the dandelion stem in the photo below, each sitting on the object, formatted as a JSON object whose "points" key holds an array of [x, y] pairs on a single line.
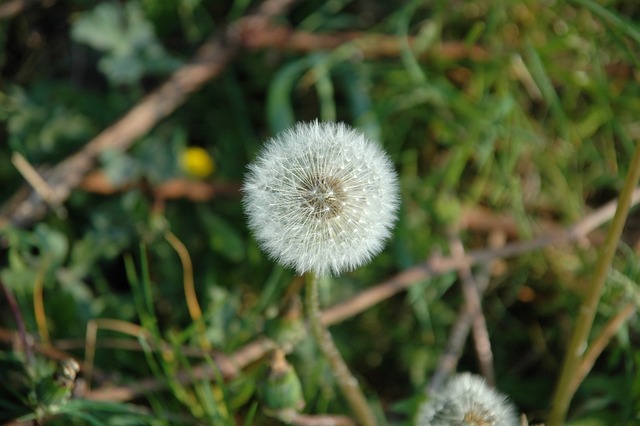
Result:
{"points": [[346, 381], [578, 345]]}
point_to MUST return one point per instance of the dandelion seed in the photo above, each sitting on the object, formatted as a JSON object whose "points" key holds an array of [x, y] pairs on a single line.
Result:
{"points": [[466, 400], [321, 197]]}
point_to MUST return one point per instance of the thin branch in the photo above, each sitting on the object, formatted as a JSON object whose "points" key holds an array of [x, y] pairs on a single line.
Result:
{"points": [[460, 330], [472, 297], [226, 366], [365, 45], [450, 356], [98, 183], [600, 343], [37, 182], [479, 218]]}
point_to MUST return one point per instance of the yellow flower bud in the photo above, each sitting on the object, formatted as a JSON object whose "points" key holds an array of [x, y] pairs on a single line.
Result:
{"points": [[197, 162]]}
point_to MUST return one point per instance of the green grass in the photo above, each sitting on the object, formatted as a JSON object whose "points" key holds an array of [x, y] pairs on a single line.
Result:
{"points": [[540, 127]]}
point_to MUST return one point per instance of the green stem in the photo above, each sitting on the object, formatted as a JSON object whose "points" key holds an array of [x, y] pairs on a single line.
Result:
{"points": [[578, 344], [347, 383]]}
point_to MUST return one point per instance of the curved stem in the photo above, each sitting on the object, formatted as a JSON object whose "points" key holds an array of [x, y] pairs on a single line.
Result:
{"points": [[347, 383], [189, 286]]}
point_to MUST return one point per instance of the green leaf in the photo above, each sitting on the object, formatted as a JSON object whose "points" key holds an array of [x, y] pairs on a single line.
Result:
{"points": [[127, 39]]}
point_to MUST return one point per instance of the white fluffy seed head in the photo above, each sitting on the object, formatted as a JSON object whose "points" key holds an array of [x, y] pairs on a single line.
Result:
{"points": [[466, 400], [321, 197]]}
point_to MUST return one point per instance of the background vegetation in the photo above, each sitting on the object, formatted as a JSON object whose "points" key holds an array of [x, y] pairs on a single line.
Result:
{"points": [[505, 119]]}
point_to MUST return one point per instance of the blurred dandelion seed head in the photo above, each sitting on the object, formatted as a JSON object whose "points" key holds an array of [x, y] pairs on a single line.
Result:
{"points": [[466, 400], [321, 197]]}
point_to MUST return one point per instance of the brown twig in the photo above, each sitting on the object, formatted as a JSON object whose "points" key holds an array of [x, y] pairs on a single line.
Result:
{"points": [[450, 356], [226, 366], [479, 218], [599, 344], [98, 183], [195, 191], [125, 344], [37, 182], [460, 330], [366, 45], [208, 62], [472, 296]]}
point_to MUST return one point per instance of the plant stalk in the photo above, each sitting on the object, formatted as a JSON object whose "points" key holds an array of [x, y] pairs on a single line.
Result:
{"points": [[346, 381], [578, 345]]}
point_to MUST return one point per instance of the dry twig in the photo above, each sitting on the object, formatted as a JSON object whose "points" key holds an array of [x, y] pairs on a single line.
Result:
{"points": [[97, 182], [472, 294], [599, 344], [366, 45], [460, 330], [226, 366], [37, 182]]}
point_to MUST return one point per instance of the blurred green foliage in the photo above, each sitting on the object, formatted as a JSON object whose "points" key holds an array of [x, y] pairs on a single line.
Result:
{"points": [[538, 126], [126, 39]]}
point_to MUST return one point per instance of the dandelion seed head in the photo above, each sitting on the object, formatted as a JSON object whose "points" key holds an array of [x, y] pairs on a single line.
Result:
{"points": [[466, 400], [321, 197]]}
